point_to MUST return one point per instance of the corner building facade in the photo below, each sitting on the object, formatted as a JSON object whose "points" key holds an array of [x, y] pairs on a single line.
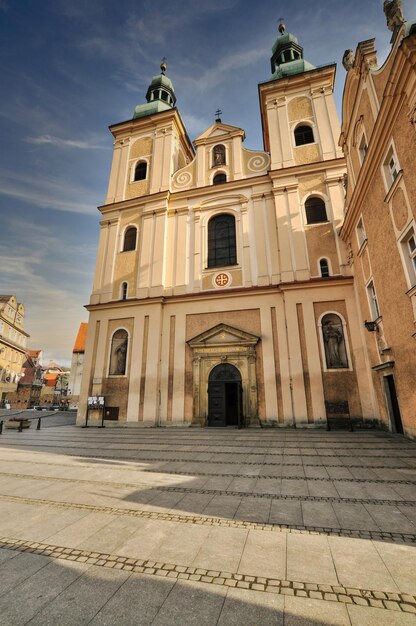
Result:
{"points": [[222, 293], [378, 137]]}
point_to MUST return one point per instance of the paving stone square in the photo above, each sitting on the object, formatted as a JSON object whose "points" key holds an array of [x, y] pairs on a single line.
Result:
{"points": [[206, 526]]}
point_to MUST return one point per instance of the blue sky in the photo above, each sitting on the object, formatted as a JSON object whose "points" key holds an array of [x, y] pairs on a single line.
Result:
{"points": [[71, 68]]}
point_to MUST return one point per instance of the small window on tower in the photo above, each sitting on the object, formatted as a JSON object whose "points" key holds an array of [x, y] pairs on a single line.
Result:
{"points": [[130, 239], [303, 135], [315, 211], [219, 178], [140, 172], [324, 268]]}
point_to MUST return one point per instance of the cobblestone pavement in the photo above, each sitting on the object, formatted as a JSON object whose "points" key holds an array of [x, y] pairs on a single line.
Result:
{"points": [[207, 526]]}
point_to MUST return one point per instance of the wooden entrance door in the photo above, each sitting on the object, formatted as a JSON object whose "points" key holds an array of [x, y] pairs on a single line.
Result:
{"points": [[225, 396], [393, 404]]}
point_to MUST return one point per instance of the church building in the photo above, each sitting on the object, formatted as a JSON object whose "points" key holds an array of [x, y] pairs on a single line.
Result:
{"points": [[223, 294]]}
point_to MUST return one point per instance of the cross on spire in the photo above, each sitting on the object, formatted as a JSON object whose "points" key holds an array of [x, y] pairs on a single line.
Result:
{"points": [[218, 112]]}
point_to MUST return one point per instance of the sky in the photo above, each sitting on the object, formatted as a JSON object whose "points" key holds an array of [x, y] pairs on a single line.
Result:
{"points": [[70, 68]]}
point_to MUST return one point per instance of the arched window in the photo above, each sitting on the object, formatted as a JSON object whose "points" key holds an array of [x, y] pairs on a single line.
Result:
{"points": [[221, 241], [219, 178], [315, 210], [324, 268], [130, 237], [124, 288], [140, 172], [303, 134], [118, 354], [218, 155], [334, 342]]}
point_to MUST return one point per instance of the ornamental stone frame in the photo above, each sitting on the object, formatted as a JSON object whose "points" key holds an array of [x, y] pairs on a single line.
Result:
{"points": [[224, 344]]}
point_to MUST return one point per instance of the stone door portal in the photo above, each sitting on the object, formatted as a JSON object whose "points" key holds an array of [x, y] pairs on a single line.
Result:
{"points": [[224, 378], [225, 396]]}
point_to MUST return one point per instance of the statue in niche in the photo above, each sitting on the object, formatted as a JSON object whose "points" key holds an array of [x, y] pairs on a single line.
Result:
{"points": [[218, 155], [121, 357], [334, 342], [118, 359]]}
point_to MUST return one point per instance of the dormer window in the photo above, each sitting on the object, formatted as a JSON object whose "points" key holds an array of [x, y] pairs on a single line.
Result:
{"points": [[140, 172], [218, 155], [303, 135]]}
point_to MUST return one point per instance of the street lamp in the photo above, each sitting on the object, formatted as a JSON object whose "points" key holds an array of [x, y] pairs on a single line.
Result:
{"points": [[371, 326]]}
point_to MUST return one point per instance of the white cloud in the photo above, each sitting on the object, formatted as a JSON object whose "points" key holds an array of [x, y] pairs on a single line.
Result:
{"points": [[195, 125], [63, 143], [48, 193], [54, 307]]}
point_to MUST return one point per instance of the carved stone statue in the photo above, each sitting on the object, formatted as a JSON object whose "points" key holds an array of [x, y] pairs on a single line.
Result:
{"points": [[121, 353], [348, 60], [218, 155], [334, 343], [393, 10], [119, 344]]}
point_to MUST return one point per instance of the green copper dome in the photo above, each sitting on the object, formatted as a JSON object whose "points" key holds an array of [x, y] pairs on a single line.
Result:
{"points": [[160, 96], [287, 58], [283, 40]]}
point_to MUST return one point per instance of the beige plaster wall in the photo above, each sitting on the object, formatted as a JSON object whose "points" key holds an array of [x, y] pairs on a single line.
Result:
{"points": [[320, 240], [309, 184], [299, 108], [306, 154], [126, 263], [142, 147]]}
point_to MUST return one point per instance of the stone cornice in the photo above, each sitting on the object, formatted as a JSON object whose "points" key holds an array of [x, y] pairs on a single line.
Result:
{"points": [[313, 283]]}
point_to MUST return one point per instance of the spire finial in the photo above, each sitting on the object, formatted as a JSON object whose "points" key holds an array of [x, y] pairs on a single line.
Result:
{"points": [[163, 65], [218, 112], [282, 26]]}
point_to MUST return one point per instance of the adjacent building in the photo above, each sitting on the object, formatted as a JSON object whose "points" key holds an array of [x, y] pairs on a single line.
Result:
{"points": [[379, 141], [13, 340], [77, 364], [27, 394]]}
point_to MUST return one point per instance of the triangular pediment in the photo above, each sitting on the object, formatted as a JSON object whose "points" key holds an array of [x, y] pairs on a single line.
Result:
{"points": [[219, 130], [223, 335]]}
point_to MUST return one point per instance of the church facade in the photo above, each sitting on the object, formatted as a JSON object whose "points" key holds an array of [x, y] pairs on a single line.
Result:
{"points": [[223, 294]]}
